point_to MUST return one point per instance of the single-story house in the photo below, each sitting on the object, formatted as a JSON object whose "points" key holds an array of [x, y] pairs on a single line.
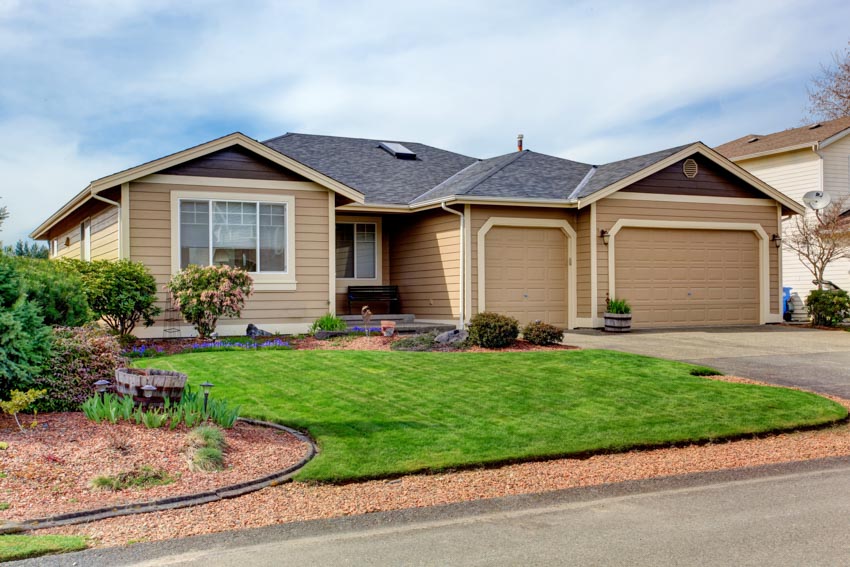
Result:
{"points": [[814, 157], [685, 235]]}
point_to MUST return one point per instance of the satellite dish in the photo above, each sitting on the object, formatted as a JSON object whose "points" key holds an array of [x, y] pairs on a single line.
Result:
{"points": [[816, 200]]}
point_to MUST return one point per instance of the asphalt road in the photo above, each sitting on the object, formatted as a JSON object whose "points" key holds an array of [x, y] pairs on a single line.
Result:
{"points": [[789, 356], [794, 514]]}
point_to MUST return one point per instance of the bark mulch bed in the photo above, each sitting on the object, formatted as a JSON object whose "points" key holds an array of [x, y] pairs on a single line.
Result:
{"points": [[298, 501], [47, 469]]}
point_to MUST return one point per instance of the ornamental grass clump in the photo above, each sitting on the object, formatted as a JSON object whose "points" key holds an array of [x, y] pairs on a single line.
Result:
{"points": [[204, 294]]}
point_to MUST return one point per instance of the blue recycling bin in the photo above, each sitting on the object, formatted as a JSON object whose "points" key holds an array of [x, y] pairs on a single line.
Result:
{"points": [[786, 297]]}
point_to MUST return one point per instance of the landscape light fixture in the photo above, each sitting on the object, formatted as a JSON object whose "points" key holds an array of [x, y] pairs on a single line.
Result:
{"points": [[605, 235], [148, 390], [206, 386], [101, 386], [777, 240]]}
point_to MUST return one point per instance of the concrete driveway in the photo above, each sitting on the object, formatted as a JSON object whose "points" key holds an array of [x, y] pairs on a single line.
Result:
{"points": [[790, 356]]}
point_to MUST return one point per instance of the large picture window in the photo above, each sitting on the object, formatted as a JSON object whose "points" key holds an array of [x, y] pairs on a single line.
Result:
{"points": [[244, 234], [356, 250]]}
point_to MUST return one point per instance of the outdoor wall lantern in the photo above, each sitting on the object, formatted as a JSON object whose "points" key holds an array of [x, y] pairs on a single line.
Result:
{"points": [[605, 235], [777, 240], [101, 386], [206, 386]]}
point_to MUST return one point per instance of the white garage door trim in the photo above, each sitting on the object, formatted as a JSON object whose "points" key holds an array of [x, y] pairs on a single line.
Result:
{"points": [[764, 273], [531, 223]]}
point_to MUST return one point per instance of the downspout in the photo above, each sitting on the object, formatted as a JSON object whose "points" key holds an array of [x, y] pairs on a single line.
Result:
{"points": [[121, 229], [460, 243]]}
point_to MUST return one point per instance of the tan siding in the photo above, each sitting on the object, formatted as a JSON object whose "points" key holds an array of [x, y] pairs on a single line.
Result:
{"points": [[480, 215], [583, 239], [150, 242], [104, 235], [609, 211], [425, 263], [73, 249]]}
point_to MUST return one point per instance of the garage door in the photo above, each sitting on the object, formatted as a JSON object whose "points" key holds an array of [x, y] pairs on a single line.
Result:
{"points": [[526, 274], [688, 277]]}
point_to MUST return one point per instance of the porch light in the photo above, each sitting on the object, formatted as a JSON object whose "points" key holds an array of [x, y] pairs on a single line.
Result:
{"points": [[605, 235], [777, 240]]}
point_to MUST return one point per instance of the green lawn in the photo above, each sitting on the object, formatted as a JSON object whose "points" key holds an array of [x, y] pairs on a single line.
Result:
{"points": [[379, 414], [13, 547]]}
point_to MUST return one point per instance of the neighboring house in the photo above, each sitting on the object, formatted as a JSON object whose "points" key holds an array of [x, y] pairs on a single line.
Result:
{"points": [[815, 157], [683, 234]]}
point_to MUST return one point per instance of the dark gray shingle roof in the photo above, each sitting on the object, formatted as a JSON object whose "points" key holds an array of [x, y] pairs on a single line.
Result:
{"points": [[610, 173], [360, 164]]}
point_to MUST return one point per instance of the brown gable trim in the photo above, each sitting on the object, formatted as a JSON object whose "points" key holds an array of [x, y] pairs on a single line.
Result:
{"points": [[234, 162], [710, 181]]}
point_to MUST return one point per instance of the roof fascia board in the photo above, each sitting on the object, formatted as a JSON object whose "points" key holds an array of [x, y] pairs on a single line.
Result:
{"points": [[479, 199], [711, 155], [68, 207], [806, 146], [204, 149], [834, 138]]}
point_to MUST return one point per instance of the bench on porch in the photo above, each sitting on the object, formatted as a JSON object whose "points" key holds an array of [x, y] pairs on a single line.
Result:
{"points": [[369, 294]]}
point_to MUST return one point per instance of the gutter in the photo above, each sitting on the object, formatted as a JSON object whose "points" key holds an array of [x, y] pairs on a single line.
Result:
{"points": [[461, 271], [121, 228]]}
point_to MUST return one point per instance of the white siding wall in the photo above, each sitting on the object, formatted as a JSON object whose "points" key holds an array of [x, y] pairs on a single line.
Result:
{"points": [[795, 173]]}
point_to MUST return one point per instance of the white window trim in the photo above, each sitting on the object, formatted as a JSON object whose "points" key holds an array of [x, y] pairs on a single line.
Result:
{"points": [[343, 283], [263, 281], [85, 240]]}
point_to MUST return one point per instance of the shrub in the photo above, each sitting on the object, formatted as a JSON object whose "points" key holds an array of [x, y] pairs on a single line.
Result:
{"points": [[491, 330], [415, 343], [328, 322], [80, 356], [704, 371], [618, 307], [56, 289], [142, 477], [203, 294], [828, 308], [24, 339], [122, 293], [19, 401], [539, 333]]}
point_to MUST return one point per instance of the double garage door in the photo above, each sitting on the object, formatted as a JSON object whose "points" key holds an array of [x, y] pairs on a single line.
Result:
{"points": [[675, 277], [671, 277]]}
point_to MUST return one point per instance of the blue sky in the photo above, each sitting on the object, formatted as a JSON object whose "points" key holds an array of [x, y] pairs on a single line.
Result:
{"points": [[91, 87]]}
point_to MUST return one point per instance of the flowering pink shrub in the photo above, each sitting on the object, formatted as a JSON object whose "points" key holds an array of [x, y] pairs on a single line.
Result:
{"points": [[204, 294]]}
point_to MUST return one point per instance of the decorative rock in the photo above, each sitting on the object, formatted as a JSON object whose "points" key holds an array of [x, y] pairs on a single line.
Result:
{"points": [[254, 332], [451, 337]]}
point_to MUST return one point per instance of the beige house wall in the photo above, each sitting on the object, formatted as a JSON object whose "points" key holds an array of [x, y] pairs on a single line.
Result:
{"points": [[613, 209], [278, 311], [481, 214], [795, 173], [583, 263], [425, 263], [104, 235]]}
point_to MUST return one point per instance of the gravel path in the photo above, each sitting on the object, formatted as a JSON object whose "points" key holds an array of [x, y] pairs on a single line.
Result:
{"points": [[47, 470], [299, 501]]}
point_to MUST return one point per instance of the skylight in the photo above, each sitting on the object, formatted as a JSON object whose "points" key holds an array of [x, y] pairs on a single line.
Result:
{"points": [[813, 126], [753, 139], [397, 150]]}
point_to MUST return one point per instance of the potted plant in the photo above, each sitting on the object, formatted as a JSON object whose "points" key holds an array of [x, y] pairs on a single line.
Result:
{"points": [[618, 316]]}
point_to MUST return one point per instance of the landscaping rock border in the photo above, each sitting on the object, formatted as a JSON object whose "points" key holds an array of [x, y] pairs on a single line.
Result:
{"points": [[184, 501]]}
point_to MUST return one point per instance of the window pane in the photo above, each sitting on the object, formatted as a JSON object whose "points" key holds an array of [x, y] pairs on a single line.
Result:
{"points": [[194, 233], [345, 250], [365, 243], [272, 238], [235, 235]]}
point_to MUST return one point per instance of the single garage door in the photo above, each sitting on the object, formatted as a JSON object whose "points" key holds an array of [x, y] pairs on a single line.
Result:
{"points": [[526, 274], [688, 277]]}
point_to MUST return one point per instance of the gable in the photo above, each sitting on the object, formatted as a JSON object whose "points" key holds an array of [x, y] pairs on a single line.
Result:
{"points": [[234, 162], [711, 180]]}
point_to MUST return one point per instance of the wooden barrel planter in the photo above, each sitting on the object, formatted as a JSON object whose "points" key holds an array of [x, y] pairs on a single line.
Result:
{"points": [[618, 322], [169, 384]]}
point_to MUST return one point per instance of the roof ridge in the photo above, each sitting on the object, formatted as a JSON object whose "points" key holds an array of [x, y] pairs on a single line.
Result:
{"points": [[446, 180], [480, 181], [584, 181], [495, 171]]}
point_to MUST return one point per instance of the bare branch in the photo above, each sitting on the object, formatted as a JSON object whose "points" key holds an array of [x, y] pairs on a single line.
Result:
{"points": [[819, 237], [829, 92]]}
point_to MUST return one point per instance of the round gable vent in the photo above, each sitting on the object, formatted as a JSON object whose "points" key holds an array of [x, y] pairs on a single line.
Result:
{"points": [[690, 168]]}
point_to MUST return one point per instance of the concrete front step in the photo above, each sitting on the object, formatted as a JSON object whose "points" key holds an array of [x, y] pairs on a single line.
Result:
{"points": [[357, 320]]}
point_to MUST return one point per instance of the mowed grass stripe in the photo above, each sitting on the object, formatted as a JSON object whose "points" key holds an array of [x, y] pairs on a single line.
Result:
{"points": [[377, 414]]}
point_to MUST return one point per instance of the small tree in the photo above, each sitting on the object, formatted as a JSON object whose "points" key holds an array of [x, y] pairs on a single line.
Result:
{"points": [[829, 93], [819, 237], [27, 250], [204, 294], [122, 293]]}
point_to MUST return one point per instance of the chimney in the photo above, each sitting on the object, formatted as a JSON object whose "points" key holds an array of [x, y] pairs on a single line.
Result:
{"points": [[519, 142]]}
